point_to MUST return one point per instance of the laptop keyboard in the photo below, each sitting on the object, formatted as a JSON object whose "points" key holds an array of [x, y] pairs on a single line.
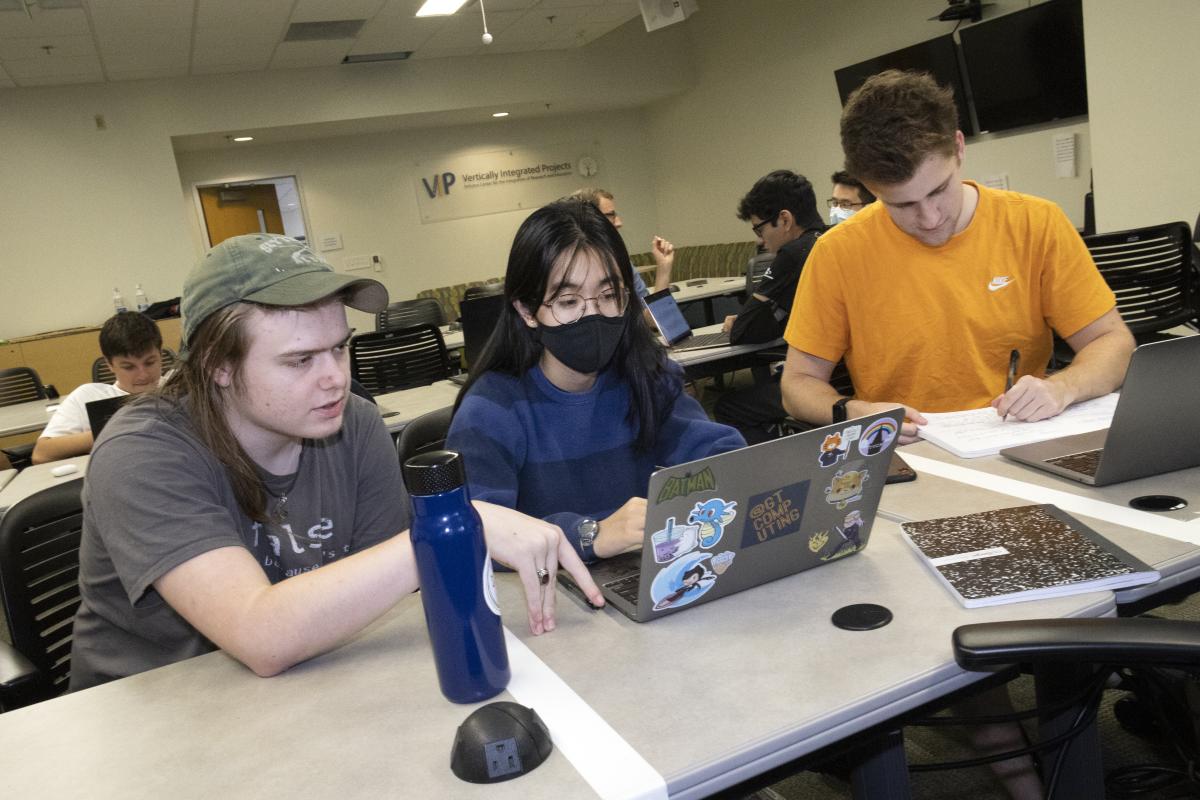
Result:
{"points": [[717, 339], [1084, 463], [626, 588]]}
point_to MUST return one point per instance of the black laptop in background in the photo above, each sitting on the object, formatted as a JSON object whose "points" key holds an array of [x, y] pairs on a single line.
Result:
{"points": [[99, 412], [479, 316]]}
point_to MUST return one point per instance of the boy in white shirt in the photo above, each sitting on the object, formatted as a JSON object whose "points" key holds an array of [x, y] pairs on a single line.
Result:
{"points": [[132, 347]]}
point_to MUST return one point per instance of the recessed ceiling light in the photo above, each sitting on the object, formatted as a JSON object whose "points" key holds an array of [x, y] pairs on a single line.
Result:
{"points": [[440, 8], [243, 138], [500, 114]]}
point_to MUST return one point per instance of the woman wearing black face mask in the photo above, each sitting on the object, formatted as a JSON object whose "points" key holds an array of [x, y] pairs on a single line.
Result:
{"points": [[573, 403]]}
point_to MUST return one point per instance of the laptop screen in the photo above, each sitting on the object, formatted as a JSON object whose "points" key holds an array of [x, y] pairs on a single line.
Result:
{"points": [[479, 317], [667, 316]]}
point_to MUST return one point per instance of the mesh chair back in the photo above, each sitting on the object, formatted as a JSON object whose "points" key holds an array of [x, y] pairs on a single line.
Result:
{"points": [[406, 313], [39, 579], [102, 373], [20, 385], [1149, 271], [426, 432], [756, 267], [387, 361], [484, 290]]}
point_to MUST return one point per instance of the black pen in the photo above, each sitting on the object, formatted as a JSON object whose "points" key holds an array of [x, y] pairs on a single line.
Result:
{"points": [[1014, 360]]}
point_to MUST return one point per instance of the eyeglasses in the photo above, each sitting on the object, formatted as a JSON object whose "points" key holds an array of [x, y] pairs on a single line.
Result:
{"points": [[611, 214], [835, 203], [758, 228], [569, 307]]}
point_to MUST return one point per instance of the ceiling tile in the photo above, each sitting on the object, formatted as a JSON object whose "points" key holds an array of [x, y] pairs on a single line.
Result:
{"points": [[391, 31], [447, 52], [309, 54], [56, 22], [61, 80], [159, 54], [233, 46], [226, 69], [613, 12], [32, 47], [460, 31], [537, 27], [146, 74], [5, 81], [141, 15], [19, 69], [242, 15], [321, 10]]}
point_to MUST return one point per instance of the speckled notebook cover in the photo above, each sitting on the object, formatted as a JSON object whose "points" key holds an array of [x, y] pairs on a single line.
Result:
{"points": [[1023, 553]]}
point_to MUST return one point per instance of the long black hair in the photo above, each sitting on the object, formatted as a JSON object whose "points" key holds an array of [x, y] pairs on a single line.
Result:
{"points": [[562, 231]]}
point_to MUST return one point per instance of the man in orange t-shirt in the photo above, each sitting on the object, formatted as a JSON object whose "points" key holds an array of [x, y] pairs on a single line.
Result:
{"points": [[927, 292]]}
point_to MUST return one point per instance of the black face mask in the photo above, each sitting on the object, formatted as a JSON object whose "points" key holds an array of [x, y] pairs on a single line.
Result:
{"points": [[586, 345]]}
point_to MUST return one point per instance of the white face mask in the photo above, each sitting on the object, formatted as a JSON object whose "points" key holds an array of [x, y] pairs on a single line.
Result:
{"points": [[838, 214]]}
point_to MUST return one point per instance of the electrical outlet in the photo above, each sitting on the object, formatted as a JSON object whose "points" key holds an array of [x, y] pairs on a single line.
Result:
{"points": [[502, 757], [377, 263]]}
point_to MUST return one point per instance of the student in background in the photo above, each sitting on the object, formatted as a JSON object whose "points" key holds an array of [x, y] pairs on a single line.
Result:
{"points": [[927, 292], [661, 250], [574, 403], [255, 505], [849, 197], [132, 347], [781, 208]]}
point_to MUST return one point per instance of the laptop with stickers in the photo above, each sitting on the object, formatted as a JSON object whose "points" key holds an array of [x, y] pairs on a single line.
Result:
{"points": [[1155, 427], [675, 329], [733, 521]]}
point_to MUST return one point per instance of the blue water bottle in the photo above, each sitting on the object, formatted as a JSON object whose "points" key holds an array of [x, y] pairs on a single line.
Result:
{"points": [[457, 587]]}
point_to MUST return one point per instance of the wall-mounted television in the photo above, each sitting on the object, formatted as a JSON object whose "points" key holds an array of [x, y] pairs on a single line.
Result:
{"points": [[939, 57], [1028, 66]]}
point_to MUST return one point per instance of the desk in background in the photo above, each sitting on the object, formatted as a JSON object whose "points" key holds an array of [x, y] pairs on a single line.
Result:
{"points": [[408, 404], [27, 417], [32, 480], [706, 290], [707, 698]]}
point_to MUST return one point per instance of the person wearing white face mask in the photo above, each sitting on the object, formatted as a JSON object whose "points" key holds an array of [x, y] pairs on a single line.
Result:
{"points": [[849, 197]]}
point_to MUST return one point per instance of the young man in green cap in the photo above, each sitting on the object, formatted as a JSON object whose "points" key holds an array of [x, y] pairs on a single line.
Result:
{"points": [[253, 504]]}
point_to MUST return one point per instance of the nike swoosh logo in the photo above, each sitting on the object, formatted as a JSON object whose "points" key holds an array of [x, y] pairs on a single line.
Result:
{"points": [[997, 284]]}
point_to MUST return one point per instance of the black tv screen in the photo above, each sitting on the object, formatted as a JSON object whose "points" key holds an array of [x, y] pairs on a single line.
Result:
{"points": [[936, 56], [1028, 66]]}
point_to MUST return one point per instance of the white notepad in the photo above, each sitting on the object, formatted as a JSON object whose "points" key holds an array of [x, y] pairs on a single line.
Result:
{"points": [[982, 432]]}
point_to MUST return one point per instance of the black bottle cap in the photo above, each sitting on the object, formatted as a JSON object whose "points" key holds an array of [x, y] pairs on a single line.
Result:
{"points": [[434, 472]]}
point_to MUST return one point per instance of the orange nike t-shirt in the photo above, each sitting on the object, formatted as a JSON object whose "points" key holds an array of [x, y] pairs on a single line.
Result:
{"points": [[933, 327]]}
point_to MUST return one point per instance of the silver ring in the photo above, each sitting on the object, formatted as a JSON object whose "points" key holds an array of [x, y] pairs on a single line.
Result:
{"points": [[543, 576]]}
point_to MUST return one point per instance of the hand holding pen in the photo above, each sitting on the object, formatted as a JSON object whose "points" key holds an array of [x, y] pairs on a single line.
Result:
{"points": [[1014, 361]]}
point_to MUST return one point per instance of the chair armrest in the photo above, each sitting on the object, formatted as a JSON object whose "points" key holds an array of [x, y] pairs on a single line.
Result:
{"points": [[18, 678], [1136, 640]]}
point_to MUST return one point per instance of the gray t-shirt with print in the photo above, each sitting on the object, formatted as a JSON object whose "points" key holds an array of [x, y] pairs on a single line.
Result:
{"points": [[155, 497]]}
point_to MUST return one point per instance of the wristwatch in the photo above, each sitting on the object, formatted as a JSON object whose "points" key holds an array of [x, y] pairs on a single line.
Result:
{"points": [[839, 409], [587, 528]]}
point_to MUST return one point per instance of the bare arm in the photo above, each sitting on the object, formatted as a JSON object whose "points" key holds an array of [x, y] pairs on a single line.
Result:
{"points": [[1102, 350], [664, 259], [53, 448], [269, 627], [808, 395]]}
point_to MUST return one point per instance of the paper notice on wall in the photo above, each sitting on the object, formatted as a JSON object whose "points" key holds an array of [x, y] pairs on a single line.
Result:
{"points": [[1064, 155], [458, 186]]}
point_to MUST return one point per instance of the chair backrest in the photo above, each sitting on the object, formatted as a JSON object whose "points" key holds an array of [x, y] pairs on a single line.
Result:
{"points": [[484, 290], [1149, 271], [39, 578], [406, 313], [426, 432], [20, 385], [756, 267], [102, 373], [387, 361]]}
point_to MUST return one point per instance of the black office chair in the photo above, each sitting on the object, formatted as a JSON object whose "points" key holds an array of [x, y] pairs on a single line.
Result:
{"points": [[102, 373], [39, 586], [1150, 271], [20, 385], [426, 432], [484, 290], [387, 361], [405, 313], [756, 267]]}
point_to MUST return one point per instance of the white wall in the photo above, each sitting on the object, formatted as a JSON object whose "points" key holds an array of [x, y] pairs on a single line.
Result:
{"points": [[83, 209], [363, 188], [1144, 106], [766, 99]]}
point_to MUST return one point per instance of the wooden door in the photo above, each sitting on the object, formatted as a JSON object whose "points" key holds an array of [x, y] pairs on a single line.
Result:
{"points": [[236, 210]]}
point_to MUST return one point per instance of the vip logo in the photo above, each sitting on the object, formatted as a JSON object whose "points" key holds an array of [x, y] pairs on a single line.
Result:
{"points": [[686, 484], [441, 184]]}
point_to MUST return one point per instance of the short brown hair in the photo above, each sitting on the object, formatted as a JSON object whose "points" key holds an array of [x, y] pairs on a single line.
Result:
{"points": [[590, 195], [893, 122]]}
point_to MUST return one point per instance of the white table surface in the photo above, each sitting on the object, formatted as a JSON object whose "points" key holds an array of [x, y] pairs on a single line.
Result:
{"points": [[711, 287], [25, 417], [32, 480], [689, 358], [6, 476], [452, 338], [708, 697], [405, 406]]}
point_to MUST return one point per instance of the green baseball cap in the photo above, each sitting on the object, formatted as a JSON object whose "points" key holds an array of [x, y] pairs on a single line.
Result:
{"points": [[272, 270]]}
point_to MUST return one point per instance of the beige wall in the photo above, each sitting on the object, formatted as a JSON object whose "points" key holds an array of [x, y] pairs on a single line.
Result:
{"points": [[766, 99], [1144, 106]]}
